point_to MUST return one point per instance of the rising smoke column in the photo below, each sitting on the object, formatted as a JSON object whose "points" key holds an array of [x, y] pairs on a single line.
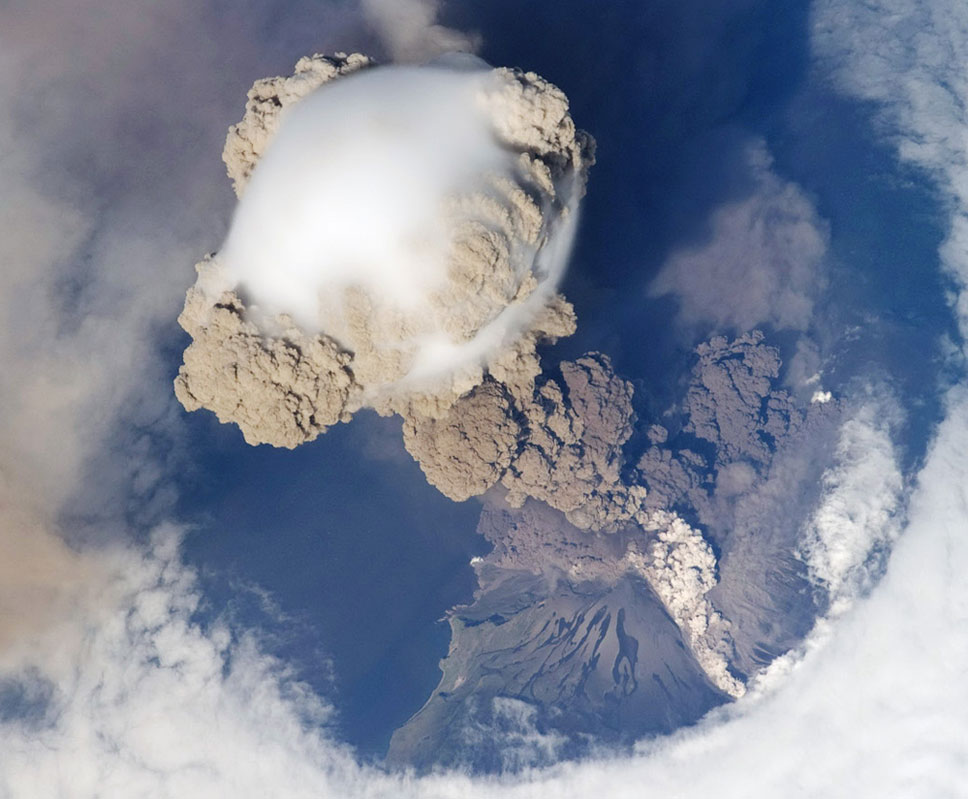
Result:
{"points": [[401, 233]]}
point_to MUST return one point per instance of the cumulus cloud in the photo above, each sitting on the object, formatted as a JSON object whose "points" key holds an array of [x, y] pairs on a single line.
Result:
{"points": [[141, 700], [421, 245], [762, 263], [849, 537]]}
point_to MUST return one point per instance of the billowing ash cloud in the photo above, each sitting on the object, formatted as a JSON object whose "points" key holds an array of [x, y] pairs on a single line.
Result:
{"points": [[401, 233], [560, 443], [590, 536]]}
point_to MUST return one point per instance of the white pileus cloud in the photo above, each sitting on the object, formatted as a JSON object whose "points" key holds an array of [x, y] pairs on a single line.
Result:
{"points": [[350, 190], [365, 188]]}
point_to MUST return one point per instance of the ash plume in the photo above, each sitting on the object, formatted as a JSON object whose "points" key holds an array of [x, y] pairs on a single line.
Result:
{"points": [[400, 235], [559, 443]]}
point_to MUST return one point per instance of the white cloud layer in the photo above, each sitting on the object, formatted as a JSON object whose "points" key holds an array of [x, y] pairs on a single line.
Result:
{"points": [[146, 703]]}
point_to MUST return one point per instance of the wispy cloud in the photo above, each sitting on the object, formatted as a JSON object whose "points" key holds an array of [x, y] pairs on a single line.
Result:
{"points": [[906, 58], [410, 31], [762, 263]]}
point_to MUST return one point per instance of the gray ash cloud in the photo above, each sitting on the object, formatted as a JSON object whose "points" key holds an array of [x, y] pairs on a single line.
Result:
{"points": [[384, 254], [732, 402], [732, 422], [560, 443]]}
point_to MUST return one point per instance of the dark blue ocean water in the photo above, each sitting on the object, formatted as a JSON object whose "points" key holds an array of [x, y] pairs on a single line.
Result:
{"points": [[360, 555]]}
